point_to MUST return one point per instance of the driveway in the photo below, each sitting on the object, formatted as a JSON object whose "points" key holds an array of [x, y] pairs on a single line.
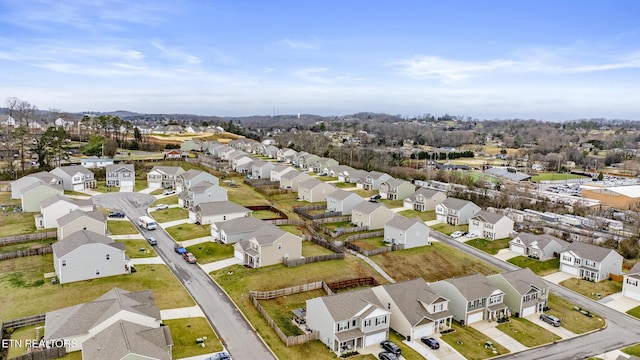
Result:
{"points": [[506, 254], [446, 352], [619, 302], [217, 265], [560, 330], [126, 188], [558, 277], [181, 313], [489, 328]]}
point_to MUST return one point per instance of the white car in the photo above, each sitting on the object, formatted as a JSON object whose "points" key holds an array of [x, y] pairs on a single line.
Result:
{"points": [[168, 192], [471, 235], [457, 234], [162, 206]]}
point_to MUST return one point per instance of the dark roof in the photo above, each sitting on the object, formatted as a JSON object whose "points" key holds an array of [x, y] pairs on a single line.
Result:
{"points": [[488, 217], [77, 214], [351, 304], [123, 338], [80, 238], [588, 251]]}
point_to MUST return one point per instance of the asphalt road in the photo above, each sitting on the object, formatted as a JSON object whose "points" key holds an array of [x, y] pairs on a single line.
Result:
{"points": [[234, 331], [622, 330]]}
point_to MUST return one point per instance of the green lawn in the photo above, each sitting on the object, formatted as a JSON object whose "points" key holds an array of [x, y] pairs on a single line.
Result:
{"points": [[489, 246], [327, 178], [555, 176], [134, 248], [169, 200], [527, 333], [448, 229], [471, 343], [170, 214], [77, 193], [22, 334], [139, 185], [23, 279], [208, 252], [370, 243], [311, 249], [5, 199], [279, 309], [424, 215], [295, 230], [571, 319], [244, 195], [157, 192], [541, 268], [18, 223], [26, 245], [593, 290], [392, 204], [366, 193], [635, 312], [335, 225], [343, 185], [632, 350], [184, 333], [121, 227], [436, 262], [264, 214], [184, 232]]}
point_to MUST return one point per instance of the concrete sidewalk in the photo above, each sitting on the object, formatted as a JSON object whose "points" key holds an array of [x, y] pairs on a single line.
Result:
{"points": [[148, 261], [558, 277], [219, 264], [127, 237], [181, 313], [506, 254], [490, 329], [176, 222], [620, 302], [201, 240], [147, 190]]}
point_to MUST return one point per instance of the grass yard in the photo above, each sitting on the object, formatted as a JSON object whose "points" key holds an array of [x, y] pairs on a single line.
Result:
{"points": [[540, 268], [170, 214], [157, 192], [392, 204], [237, 280], [286, 202], [280, 309], [244, 194], [76, 193], [449, 229], [23, 279], [26, 245], [169, 200], [140, 185], [336, 225], [632, 350], [489, 246], [208, 252], [635, 312], [310, 249], [327, 178], [134, 248], [366, 193], [265, 214], [433, 263], [470, 343], [527, 333], [555, 176], [5, 199], [593, 290], [425, 216], [370, 243], [121, 227], [295, 230], [573, 320], [184, 333], [18, 224], [184, 232], [22, 334], [343, 185]]}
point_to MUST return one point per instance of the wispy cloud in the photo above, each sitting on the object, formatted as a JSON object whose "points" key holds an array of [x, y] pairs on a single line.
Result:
{"points": [[320, 75], [299, 44], [176, 53]]}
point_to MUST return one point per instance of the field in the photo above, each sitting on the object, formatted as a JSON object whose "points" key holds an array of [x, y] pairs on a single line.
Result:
{"points": [[540, 268], [184, 232], [121, 227], [555, 176], [208, 252], [489, 246], [184, 333]]}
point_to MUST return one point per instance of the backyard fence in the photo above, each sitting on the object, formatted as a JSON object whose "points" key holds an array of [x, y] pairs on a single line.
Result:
{"points": [[305, 212], [43, 354], [261, 182], [286, 222], [272, 294], [313, 259], [28, 237], [332, 219], [27, 252], [344, 284], [354, 247], [25, 321], [269, 208], [365, 235]]}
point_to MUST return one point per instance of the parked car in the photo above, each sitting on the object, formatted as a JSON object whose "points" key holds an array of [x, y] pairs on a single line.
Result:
{"points": [[457, 234], [152, 241], [550, 319], [430, 342], [385, 355], [391, 347], [189, 258], [219, 356], [162, 206], [116, 214], [168, 192], [470, 235]]}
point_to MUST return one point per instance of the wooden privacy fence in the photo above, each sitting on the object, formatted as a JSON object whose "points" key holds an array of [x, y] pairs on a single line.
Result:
{"points": [[312, 259], [261, 182], [272, 294], [333, 219], [304, 211], [28, 237], [27, 252], [25, 321], [354, 247], [286, 222], [344, 284], [43, 354], [269, 208], [365, 235]]}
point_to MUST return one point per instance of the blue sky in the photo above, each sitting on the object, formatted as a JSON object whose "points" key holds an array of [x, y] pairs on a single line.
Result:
{"points": [[547, 60]]}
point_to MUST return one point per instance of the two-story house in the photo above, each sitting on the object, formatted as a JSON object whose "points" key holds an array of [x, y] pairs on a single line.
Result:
{"points": [[373, 180], [373, 215], [233, 230], [33, 195], [203, 192], [292, 179], [456, 211], [541, 247], [314, 190], [396, 189], [78, 220], [472, 298], [349, 321], [163, 177], [490, 226], [261, 169], [58, 206], [416, 309], [590, 262], [424, 199], [27, 180], [186, 180], [286, 155], [121, 175], [343, 201], [268, 248], [407, 232], [324, 163], [631, 283], [280, 170], [75, 177], [524, 292]]}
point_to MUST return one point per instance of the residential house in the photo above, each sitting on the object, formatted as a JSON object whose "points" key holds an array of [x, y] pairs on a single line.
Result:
{"points": [[39, 177], [121, 175], [85, 323], [244, 167], [631, 283], [75, 177], [163, 177], [261, 169], [349, 321], [323, 163], [456, 211], [542, 247], [314, 190], [336, 171], [85, 255], [472, 298], [280, 170], [396, 189], [234, 230], [192, 145], [373, 180], [525, 293], [416, 309], [226, 153], [305, 161], [407, 232], [590, 262], [343, 201], [58, 206], [203, 192], [210, 212], [173, 154], [34, 194], [268, 248], [271, 151], [78, 220], [186, 180], [96, 162], [490, 226], [373, 215], [292, 179], [424, 199], [353, 176], [286, 155]]}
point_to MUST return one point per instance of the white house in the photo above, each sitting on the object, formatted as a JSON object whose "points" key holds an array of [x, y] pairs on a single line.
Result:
{"points": [[210, 212], [456, 211], [590, 262], [203, 192], [192, 177], [261, 169], [96, 162], [58, 206], [490, 226], [280, 170], [292, 179], [631, 283], [542, 247], [234, 230], [424, 199], [121, 175], [343, 201], [408, 232], [163, 177], [75, 177]]}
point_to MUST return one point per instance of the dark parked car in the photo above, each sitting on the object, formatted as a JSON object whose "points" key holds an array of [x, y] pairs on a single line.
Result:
{"points": [[391, 347], [152, 241], [385, 355], [220, 356], [116, 214], [430, 342]]}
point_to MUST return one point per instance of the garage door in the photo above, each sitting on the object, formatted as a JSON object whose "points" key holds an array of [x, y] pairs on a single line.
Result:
{"points": [[78, 187], [528, 311], [238, 255], [375, 338], [423, 330], [568, 269], [517, 249], [126, 183], [472, 318]]}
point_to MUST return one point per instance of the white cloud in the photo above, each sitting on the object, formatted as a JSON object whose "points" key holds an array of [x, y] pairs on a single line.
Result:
{"points": [[176, 53], [299, 44], [318, 75]]}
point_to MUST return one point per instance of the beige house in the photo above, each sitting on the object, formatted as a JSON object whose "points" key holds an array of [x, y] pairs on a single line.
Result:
{"points": [[121, 175], [424, 199], [292, 180], [396, 189], [78, 220], [373, 215], [490, 226], [58, 206], [41, 177], [164, 177], [33, 195], [314, 190], [267, 249]]}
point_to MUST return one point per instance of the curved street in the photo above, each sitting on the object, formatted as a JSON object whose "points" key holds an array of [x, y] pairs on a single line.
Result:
{"points": [[230, 325]]}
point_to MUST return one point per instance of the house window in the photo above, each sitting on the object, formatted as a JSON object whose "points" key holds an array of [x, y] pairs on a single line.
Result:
{"points": [[566, 258], [64, 262], [633, 282], [367, 322], [437, 307], [279, 246], [108, 257], [98, 271]]}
